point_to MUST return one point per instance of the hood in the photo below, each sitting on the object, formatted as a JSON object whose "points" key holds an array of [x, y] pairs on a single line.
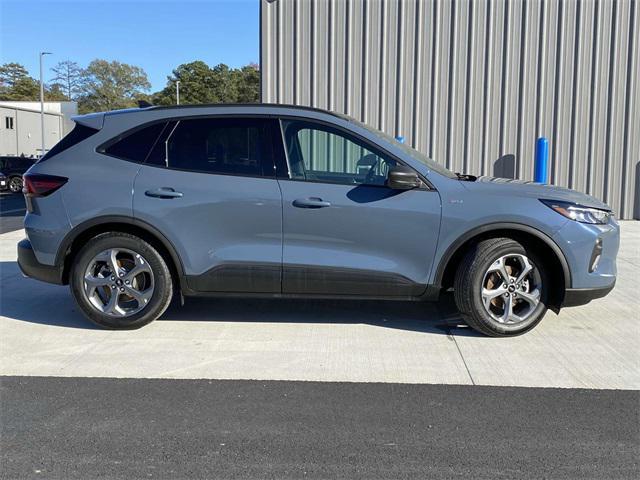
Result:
{"points": [[521, 188]]}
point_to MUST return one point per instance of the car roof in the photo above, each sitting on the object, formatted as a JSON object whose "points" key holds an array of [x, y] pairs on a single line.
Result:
{"points": [[95, 120]]}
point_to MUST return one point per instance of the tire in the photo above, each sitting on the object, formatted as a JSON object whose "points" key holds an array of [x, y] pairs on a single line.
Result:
{"points": [[481, 273], [152, 288], [15, 184]]}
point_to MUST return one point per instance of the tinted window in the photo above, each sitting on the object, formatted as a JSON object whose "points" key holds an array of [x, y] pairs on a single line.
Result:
{"points": [[15, 164], [158, 153], [229, 146], [320, 153], [75, 136], [137, 145]]}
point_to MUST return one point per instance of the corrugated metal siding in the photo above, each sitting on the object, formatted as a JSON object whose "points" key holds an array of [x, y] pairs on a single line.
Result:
{"points": [[473, 83]]}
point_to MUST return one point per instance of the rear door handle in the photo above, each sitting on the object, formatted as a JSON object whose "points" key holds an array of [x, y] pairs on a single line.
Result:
{"points": [[310, 202], [164, 192]]}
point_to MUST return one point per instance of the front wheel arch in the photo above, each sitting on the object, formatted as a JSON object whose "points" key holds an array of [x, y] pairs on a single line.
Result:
{"points": [[547, 248]]}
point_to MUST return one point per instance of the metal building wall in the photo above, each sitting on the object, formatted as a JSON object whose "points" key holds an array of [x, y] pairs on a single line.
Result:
{"points": [[25, 137], [474, 83]]}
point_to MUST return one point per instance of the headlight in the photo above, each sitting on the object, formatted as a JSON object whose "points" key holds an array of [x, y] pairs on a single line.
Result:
{"points": [[579, 213]]}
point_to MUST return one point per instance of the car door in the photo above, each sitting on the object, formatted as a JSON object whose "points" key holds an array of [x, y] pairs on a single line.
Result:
{"points": [[345, 232], [208, 184]]}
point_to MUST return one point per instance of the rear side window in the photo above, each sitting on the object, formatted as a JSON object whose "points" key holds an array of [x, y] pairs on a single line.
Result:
{"points": [[75, 136], [228, 146], [137, 145]]}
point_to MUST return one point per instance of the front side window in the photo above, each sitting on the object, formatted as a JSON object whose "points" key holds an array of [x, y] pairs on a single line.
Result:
{"points": [[323, 154], [412, 152]]}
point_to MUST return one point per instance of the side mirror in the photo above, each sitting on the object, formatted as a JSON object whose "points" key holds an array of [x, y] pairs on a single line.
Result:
{"points": [[403, 178]]}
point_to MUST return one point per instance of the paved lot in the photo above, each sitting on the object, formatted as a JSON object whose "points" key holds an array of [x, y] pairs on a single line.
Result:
{"points": [[71, 428], [594, 346], [12, 210]]}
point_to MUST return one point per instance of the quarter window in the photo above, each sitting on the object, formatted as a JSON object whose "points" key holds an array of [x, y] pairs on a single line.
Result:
{"points": [[136, 146], [324, 154]]}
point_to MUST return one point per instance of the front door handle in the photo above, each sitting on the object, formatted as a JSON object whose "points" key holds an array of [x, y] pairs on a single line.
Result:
{"points": [[310, 202], [163, 192]]}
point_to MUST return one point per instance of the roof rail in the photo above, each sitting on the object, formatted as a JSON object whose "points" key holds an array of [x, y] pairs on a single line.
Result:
{"points": [[257, 104]]}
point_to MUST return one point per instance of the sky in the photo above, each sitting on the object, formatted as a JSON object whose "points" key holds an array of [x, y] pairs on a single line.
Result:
{"points": [[157, 35]]}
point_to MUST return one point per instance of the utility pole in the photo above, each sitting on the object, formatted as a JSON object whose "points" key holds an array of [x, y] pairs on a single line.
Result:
{"points": [[42, 54], [177, 92]]}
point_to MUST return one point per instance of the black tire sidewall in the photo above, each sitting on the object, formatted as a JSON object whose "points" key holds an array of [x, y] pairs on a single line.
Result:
{"points": [[476, 276], [163, 285]]}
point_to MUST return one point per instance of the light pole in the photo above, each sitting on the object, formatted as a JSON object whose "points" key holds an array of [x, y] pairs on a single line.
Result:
{"points": [[177, 92], [42, 54]]}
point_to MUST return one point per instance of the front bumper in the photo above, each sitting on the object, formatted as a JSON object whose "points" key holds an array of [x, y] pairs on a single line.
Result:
{"points": [[581, 296], [578, 241], [30, 266]]}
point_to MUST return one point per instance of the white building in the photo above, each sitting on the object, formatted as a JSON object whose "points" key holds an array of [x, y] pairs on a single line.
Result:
{"points": [[20, 126]]}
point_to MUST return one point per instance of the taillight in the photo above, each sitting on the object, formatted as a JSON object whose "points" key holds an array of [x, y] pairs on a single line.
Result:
{"points": [[36, 185]]}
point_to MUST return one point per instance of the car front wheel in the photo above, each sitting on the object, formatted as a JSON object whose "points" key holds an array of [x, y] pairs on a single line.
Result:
{"points": [[501, 288], [120, 281]]}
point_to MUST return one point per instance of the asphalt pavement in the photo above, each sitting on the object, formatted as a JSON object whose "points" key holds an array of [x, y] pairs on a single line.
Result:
{"points": [[72, 428], [12, 210]]}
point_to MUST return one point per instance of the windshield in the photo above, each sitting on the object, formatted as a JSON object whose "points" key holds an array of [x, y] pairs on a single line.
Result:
{"points": [[413, 153]]}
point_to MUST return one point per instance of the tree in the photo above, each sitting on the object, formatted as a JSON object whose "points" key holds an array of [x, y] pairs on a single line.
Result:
{"points": [[16, 84], [224, 89], [195, 85], [248, 83], [53, 93], [24, 89], [12, 73], [200, 83], [111, 85], [68, 75]]}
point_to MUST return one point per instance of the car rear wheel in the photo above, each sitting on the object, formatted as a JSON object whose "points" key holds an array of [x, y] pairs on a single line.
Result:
{"points": [[501, 288], [120, 281], [15, 184]]}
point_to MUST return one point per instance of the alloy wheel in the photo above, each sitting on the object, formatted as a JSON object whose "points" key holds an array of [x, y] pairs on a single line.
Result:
{"points": [[511, 289], [15, 184], [118, 282]]}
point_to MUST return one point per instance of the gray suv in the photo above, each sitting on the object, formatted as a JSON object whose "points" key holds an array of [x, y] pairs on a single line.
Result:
{"points": [[134, 207]]}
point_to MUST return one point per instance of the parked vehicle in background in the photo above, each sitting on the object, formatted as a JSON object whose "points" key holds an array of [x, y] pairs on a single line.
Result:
{"points": [[135, 206], [13, 168]]}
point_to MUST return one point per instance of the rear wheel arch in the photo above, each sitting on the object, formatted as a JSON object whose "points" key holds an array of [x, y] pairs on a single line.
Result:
{"points": [[78, 236], [529, 236]]}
